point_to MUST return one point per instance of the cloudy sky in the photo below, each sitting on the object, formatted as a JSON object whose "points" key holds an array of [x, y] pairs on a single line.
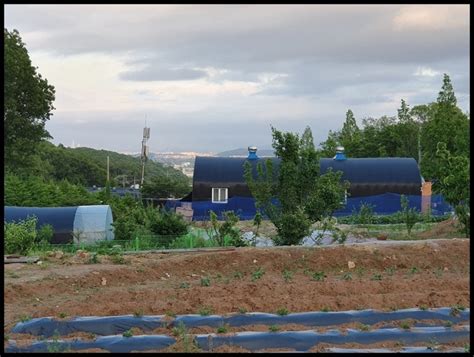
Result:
{"points": [[215, 77]]}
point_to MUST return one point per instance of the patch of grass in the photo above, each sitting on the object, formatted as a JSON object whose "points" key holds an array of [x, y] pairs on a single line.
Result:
{"points": [[62, 315], [140, 270], [423, 307], [242, 310], [184, 285], [287, 275], [6, 337], [117, 259], [405, 325], [91, 336], [93, 259], [438, 272], [433, 344], [346, 276], [170, 313], [238, 275], [414, 270], [127, 333], [12, 275], [456, 310], [206, 281], [222, 329], [390, 270], [179, 330], [364, 327], [205, 311], [25, 318], [360, 272], [325, 309], [273, 328], [318, 276], [467, 348], [376, 277], [448, 324], [282, 311], [257, 274], [138, 313]]}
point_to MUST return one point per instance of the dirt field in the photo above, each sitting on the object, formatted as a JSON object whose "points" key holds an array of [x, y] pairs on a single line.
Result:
{"points": [[385, 277]]}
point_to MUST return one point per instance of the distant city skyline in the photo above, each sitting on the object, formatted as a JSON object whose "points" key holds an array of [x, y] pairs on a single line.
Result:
{"points": [[211, 78]]}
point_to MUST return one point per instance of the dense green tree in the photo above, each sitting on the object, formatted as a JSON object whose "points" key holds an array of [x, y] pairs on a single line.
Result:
{"points": [[453, 183], [297, 195], [165, 187], [28, 103], [446, 95], [448, 125]]}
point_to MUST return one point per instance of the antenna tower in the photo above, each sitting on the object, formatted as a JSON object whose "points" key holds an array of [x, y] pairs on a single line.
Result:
{"points": [[144, 154]]}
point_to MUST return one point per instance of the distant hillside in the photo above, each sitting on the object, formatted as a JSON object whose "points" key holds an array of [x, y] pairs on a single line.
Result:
{"points": [[89, 166], [243, 152]]}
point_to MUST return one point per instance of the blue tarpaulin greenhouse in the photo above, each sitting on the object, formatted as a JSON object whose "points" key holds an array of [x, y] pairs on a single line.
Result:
{"points": [[81, 224]]}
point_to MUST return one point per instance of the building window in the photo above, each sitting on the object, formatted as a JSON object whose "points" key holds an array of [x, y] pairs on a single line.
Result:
{"points": [[219, 195]]}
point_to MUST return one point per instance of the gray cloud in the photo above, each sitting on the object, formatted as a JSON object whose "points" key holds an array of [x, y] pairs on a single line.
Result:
{"points": [[157, 74], [362, 57]]}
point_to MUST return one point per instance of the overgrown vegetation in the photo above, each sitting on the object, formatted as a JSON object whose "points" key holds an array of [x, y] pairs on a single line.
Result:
{"points": [[224, 232], [298, 195], [23, 236]]}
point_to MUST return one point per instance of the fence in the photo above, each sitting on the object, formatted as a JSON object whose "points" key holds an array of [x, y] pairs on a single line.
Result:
{"points": [[197, 238], [385, 204]]}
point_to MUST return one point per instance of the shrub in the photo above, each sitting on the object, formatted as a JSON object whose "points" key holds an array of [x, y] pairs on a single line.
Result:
{"points": [[45, 233], [218, 232], [410, 215], [20, 237], [292, 228], [365, 215], [168, 223]]}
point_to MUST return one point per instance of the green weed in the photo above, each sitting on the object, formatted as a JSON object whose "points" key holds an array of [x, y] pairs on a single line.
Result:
{"points": [[347, 276], [405, 325], [222, 329], [318, 276], [62, 315], [206, 281], [184, 285], [273, 328], [390, 271], [238, 275], [127, 333], [282, 311], [205, 311], [287, 275], [257, 274], [138, 313], [364, 327], [325, 309], [25, 318], [376, 277], [242, 310]]}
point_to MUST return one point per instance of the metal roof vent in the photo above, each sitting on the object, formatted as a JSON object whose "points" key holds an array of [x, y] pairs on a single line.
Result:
{"points": [[252, 153], [340, 154]]}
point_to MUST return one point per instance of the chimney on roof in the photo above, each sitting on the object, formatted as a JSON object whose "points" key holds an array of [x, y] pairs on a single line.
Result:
{"points": [[340, 156], [252, 153]]}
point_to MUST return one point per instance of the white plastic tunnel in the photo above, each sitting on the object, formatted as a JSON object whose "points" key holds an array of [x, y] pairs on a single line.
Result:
{"points": [[92, 224]]}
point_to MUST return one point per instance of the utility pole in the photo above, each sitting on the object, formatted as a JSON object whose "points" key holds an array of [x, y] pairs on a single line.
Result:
{"points": [[419, 145], [108, 173]]}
